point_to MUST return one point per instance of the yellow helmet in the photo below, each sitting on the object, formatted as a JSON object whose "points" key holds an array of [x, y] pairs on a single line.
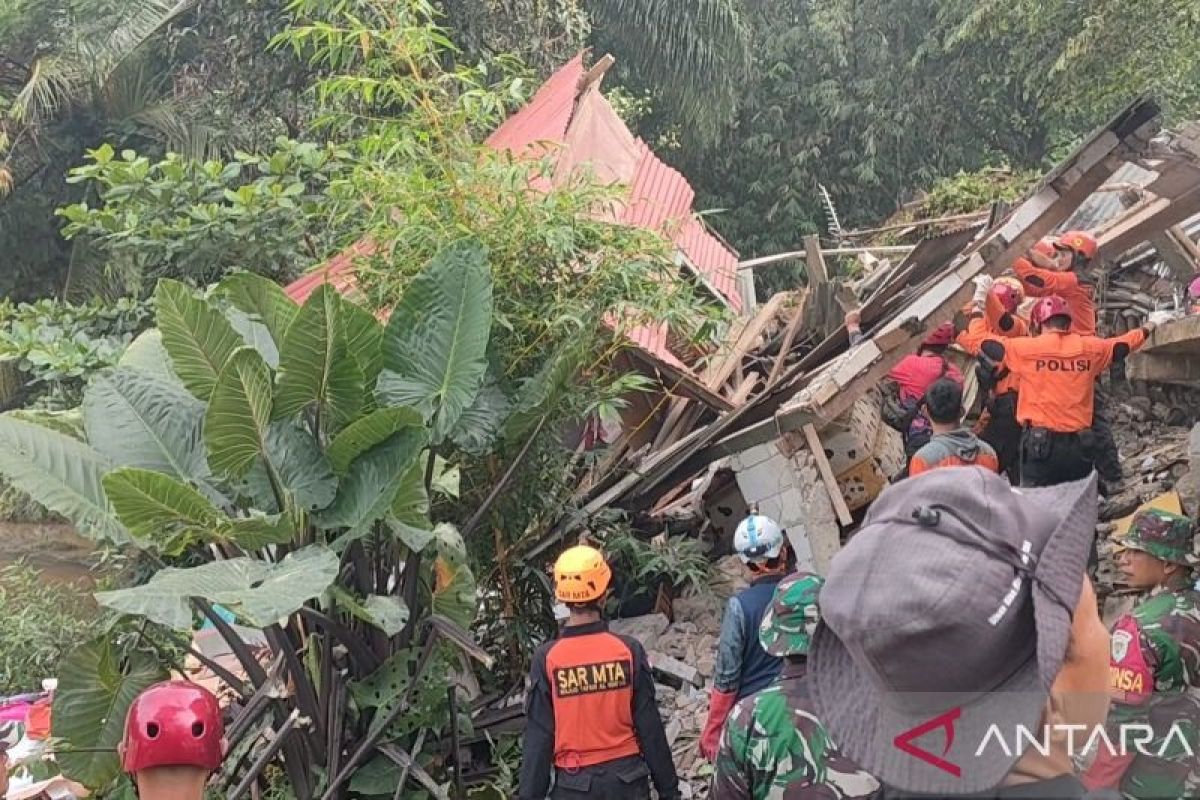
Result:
{"points": [[581, 575]]}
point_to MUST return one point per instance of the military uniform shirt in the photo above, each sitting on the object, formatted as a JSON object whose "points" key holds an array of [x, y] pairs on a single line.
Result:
{"points": [[774, 748], [1156, 682]]}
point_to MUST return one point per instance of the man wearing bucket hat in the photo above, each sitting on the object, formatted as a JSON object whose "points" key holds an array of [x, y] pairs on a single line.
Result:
{"points": [[957, 624], [1155, 672], [743, 667], [773, 744], [590, 715]]}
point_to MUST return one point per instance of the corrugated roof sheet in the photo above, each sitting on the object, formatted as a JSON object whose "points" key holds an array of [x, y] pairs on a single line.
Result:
{"points": [[659, 197], [1103, 206]]}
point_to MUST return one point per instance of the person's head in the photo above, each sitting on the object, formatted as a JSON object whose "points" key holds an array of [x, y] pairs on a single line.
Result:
{"points": [[1078, 249], [1009, 293], [787, 627], [1051, 313], [760, 544], [961, 607], [1194, 289], [174, 738], [1159, 550], [939, 339], [581, 580], [943, 403]]}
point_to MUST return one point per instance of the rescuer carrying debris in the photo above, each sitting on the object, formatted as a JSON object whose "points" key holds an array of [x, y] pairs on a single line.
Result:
{"points": [[774, 746], [591, 716], [1057, 371], [743, 667], [174, 739], [1155, 671], [904, 390], [952, 444]]}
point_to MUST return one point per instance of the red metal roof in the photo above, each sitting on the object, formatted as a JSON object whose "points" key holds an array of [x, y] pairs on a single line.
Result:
{"points": [[590, 135]]}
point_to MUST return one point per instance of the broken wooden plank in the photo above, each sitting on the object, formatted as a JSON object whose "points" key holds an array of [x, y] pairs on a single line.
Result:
{"points": [[682, 381], [827, 477], [728, 359], [745, 390], [797, 255], [818, 273], [789, 338], [1144, 219]]}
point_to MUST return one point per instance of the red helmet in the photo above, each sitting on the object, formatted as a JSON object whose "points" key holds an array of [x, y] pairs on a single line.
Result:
{"points": [[171, 724], [1081, 242], [1009, 296], [942, 336], [1049, 307], [1046, 247], [1194, 289]]}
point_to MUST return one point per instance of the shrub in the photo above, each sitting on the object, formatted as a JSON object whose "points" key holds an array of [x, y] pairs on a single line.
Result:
{"points": [[43, 621]]}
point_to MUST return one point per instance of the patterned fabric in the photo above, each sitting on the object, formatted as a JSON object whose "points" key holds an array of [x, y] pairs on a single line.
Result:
{"points": [[774, 748], [1164, 633], [1163, 535], [789, 623]]}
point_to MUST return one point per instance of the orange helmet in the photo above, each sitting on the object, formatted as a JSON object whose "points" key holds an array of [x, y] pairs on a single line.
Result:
{"points": [[1046, 247], [1080, 242], [581, 575]]}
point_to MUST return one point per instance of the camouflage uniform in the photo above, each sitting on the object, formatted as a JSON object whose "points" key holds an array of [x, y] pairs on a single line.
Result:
{"points": [[773, 746], [1156, 668]]}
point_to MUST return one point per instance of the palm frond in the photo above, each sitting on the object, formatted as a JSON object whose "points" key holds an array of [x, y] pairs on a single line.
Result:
{"points": [[189, 138], [54, 82], [698, 51]]}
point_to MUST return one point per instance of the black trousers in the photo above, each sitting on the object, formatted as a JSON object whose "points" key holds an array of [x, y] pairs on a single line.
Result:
{"points": [[621, 779], [1108, 459], [1003, 433], [1049, 458]]}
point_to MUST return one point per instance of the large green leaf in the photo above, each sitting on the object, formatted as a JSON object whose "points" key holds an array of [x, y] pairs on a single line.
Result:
{"points": [[198, 337], [436, 339], [261, 593], [411, 503], [255, 335], [138, 420], [386, 612], [61, 473], [239, 414], [146, 353], [160, 509], [315, 365], [363, 434], [538, 394], [476, 429], [262, 300], [454, 588], [302, 468], [368, 491], [94, 693], [363, 335]]}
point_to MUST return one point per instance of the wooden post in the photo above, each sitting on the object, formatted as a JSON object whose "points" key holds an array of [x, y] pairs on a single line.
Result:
{"points": [[835, 493]]}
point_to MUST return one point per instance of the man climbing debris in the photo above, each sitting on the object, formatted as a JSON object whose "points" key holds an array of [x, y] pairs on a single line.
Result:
{"points": [[1057, 371], [591, 717], [773, 745], [1155, 671], [174, 739], [952, 444], [743, 667]]}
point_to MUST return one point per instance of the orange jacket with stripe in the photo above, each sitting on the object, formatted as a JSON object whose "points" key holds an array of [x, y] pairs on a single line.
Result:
{"points": [[1066, 284], [590, 701], [959, 448], [1057, 373]]}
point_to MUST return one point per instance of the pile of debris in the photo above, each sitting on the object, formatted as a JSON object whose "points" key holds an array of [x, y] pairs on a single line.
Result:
{"points": [[683, 656]]}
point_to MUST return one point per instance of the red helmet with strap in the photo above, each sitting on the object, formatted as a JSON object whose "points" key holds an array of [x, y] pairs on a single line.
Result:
{"points": [[1080, 242], [173, 724], [1010, 297], [941, 336], [1046, 247], [1049, 307]]}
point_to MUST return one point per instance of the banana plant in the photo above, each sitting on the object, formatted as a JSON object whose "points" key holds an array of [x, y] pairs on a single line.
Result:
{"points": [[292, 448]]}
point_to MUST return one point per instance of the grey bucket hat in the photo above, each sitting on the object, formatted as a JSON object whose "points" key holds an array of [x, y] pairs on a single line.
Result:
{"points": [[947, 615]]}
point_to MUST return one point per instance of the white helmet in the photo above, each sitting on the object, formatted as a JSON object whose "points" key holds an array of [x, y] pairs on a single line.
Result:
{"points": [[758, 538]]}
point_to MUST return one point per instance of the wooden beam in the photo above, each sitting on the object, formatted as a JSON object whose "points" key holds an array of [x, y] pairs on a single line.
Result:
{"points": [[681, 381], [746, 388], [1179, 260], [818, 273], [789, 337], [1145, 219], [827, 477], [796, 255], [727, 360]]}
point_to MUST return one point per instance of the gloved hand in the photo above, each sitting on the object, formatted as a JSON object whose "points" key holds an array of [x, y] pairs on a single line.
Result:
{"points": [[719, 706], [983, 285], [1162, 317]]}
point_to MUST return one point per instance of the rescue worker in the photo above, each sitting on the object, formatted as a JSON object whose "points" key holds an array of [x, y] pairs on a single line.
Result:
{"points": [[958, 613], [591, 717], [952, 444], [996, 316], [1155, 672], [1057, 372], [1193, 296], [743, 667], [909, 379], [174, 739], [1063, 267], [773, 745]]}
